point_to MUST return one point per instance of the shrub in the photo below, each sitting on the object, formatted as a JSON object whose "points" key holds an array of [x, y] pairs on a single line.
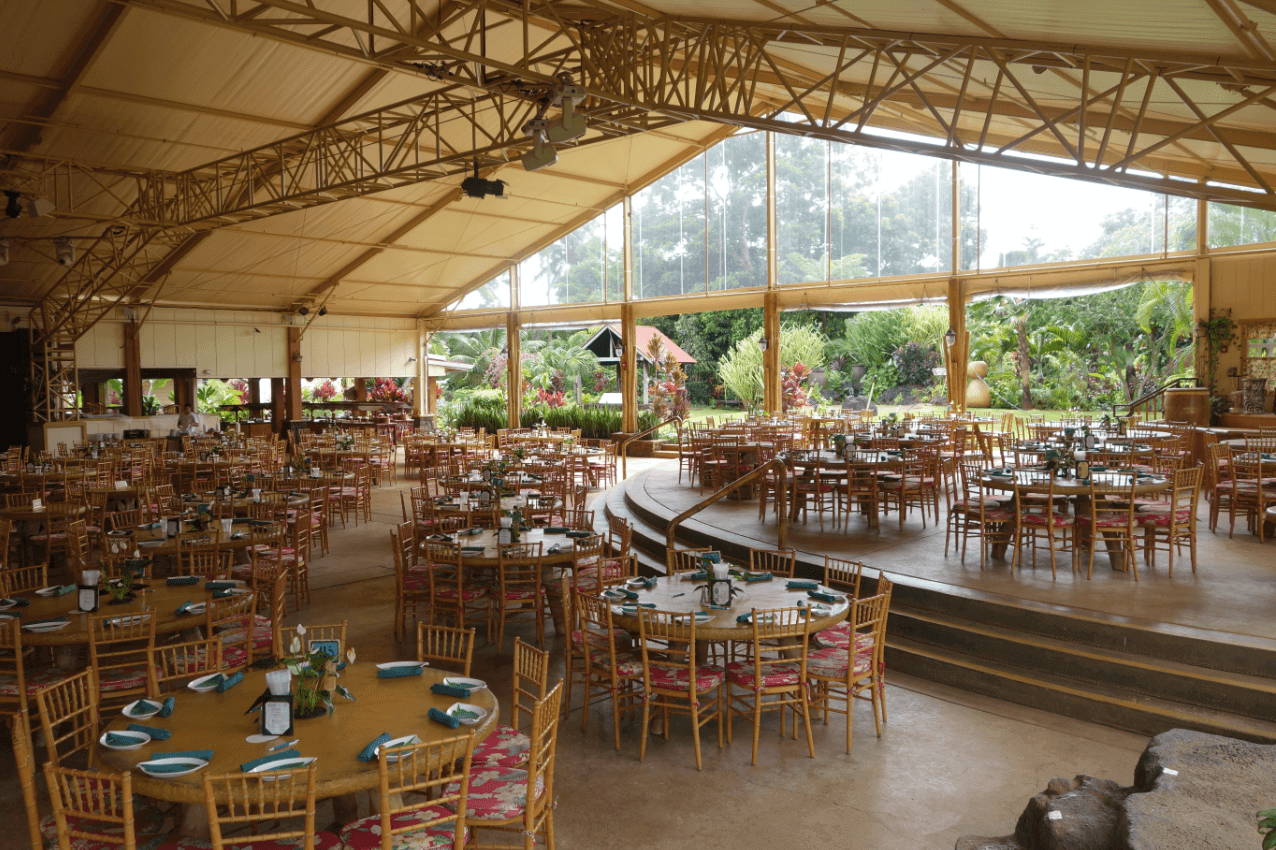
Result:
{"points": [[915, 362]]}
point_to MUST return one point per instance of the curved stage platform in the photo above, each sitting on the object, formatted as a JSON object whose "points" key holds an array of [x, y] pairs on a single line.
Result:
{"points": [[1190, 651]]}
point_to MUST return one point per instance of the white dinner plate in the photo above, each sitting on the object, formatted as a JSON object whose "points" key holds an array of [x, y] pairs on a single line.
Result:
{"points": [[197, 608], [190, 766], [637, 582], [293, 763], [457, 707], [6, 604], [46, 591], [405, 741], [614, 594], [46, 627], [127, 711], [390, 665], [127, 620], [819, 609], [464, 682], [204, 684], [701, 617], [140, 739]]}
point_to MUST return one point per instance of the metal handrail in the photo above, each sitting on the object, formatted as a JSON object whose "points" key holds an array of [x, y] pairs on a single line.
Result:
{"points": [[624, 447], [1146, 400], [781, 507]]}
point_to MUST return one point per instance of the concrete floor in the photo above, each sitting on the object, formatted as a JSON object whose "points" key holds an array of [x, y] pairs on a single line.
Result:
{"points": [[948, 764]]}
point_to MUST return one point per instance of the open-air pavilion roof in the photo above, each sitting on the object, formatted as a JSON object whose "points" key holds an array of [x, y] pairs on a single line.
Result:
{"points": [[278, 154]]}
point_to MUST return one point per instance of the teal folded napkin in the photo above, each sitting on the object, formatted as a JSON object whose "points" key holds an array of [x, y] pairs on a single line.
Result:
{"points": [[156, 734], [48, 620], [144, 707], [443, 717], [699, 575], [182, 609], [446, 690], [473, 550], [229, 682], [471, 531], [219, 585], [369, 753], [802, 585], [441, 538], [398, 672], [202, 755], [64, 590], [286, 754], [745, 618], [758, 576], [166, 710], [648, 583], [557, 529], [19, 601], [11, 615], [711, 557], [628, 594], [224, 594], [182, 580], [822, 597], [116, 740], [579, 534]]}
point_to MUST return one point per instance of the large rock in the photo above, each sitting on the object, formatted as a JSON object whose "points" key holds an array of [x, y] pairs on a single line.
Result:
{"points": [[1191, 790]]}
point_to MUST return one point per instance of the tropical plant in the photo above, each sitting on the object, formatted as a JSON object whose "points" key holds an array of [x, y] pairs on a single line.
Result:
{"points": [[741, 369], [669, 387], [325, 391], [308, 670], [915, 362], [389, 390], [150, 405]]}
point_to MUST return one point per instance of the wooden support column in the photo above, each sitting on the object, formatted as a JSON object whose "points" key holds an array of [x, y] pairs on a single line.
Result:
{"points": [[422, 386], [292, 395], [772, 391], [254, 390], [278, 391], [513, 372], [431, 395], [91, 393], [360, 389], [628, 371], [184, 392], [1202, 297], [132, 372], [957, 353]]}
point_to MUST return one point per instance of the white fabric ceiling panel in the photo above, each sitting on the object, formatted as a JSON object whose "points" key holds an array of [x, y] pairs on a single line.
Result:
{"points": [[36, 43], [162, 56]]}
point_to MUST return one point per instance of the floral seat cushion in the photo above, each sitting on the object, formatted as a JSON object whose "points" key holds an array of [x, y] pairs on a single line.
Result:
{"points": [[505, 746], [122, 679], [498, 794], [1104, 522], [151, 825], [773, 675], [520, 594], [365, 834], [1158, 519], [469, 594], [597, 638], [1058, 520], [708, 677], [36, 680], [418, 583], [832, 662], [627, 666], [323, 841]]}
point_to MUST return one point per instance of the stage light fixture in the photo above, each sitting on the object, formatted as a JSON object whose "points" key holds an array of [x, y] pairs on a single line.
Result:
{"points": [[476, 187], [323, 311], [39, 207], [305, 311], [542, 154], [14, 208], [65, 251], [570, 126]]}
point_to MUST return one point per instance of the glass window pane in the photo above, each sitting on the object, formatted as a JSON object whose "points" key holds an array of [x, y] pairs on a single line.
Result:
{"points": [[668, 233], [1232, 225], [971, 238], [492, 295], [737, 212], [1033, 218], [570, 271], [801, 208], [614, 226]]}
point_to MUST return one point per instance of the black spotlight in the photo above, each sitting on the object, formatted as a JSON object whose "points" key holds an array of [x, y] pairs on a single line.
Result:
{"points": [[477, 187], [14, 207], [305, 311], [323, 311]]}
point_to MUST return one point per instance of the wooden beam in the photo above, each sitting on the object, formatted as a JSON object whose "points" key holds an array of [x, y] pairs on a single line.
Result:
{"points": [[513, 372], [292, 401]]}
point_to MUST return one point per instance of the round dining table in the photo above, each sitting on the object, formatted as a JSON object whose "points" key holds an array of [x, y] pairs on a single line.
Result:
{"points": [[1034, 481], [481, 550], [156, 594], [682, 596], [220, 722]]}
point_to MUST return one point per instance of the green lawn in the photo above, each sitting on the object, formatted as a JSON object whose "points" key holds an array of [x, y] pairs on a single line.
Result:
{"points": [[699, 414]]}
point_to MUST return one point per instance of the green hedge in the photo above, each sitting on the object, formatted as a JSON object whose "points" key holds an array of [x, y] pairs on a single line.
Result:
{"points": [[595, 423]]}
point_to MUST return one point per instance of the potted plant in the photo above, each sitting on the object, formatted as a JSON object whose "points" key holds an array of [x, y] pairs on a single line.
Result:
{"points": [[314, 678]]}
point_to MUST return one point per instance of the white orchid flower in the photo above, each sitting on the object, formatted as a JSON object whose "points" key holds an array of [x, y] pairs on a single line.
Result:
{"points": [[350, 655], [295, 646], [301, 630]]}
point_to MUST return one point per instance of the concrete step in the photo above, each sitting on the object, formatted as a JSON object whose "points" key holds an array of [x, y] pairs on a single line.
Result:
{"points": [[1139, 713], [1232, 693]]}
